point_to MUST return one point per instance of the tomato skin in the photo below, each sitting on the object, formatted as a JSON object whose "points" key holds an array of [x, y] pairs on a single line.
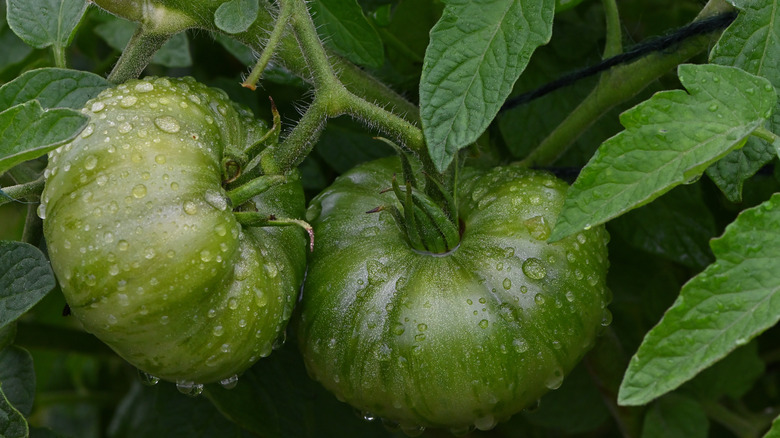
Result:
{"points": [[144, 243], [457, 340]]}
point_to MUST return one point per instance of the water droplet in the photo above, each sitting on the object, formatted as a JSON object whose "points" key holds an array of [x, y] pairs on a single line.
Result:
{"points": [[167, 124], [190, 208], [539, 299], [606, 318], [411, 430], [230, 382], [218, 330], [187, 387], [90, 162], [148, 379], [419, 337], [206, 255], [485, 423], [422, 327], [534, 269], [42, 211], [507, 283], [98, 107], [368, 416], [232, 304], [555, 380], [212, 313], [159, 159], [220, 229], [570, 296], [520, 345], [125, 127], [484, 324], [122, 245], [713, 107], [149, 253], [538, 227], [139, 191], [144, 87]]}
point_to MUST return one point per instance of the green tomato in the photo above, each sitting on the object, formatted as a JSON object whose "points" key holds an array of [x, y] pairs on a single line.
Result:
{"points": [[457, 340], [144, 242]]}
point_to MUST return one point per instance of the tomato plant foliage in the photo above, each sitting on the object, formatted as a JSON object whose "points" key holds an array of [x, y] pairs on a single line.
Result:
{"points": [[600, 260]]}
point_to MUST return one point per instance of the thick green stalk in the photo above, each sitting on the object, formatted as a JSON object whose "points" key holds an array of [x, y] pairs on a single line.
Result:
{"points": [[137, 54], [621, 84]]}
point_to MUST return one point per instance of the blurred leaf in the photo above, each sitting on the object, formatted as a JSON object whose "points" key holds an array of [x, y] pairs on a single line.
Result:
{"points": [[53, 88], [236, 16], [750, 43], [575, 407], [675, 417], [25, 278], [27, 131], [37, 432], [18, 378], [732, 301], [477, 51], [345, 144], [276, 398], [163, 412], [12, 423], [14, 49], [348, 31], [669, 140], [677, 226], [42, 23], [174, 53], [564, 5], [7, 335], [733, 376]]}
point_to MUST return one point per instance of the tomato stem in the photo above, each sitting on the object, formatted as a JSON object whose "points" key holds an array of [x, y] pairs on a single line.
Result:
{"points": [[285, 12], [137, 54], [249, 190], [15, 193], [256, 219]]}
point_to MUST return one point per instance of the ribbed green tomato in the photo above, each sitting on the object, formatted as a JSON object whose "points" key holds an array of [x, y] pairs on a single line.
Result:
{"points": [[145, 245], [457, 340]]}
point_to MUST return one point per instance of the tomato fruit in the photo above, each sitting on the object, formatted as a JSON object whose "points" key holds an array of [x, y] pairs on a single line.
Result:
{"points": [[457, 340], [144, 242]]}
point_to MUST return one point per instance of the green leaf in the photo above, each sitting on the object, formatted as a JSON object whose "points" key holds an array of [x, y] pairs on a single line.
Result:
{"points": [[348, 31], [276, 399], [14, 49], [675, 417], [732, 376], [751, 43], [52, 88], [43, 23], [162, 411], [669, 139], [733, 300], [774, 432], [236, 16], [25, 278], [18, 378], [12, 423], [678, 226], [174, 53], [7, 335], [477, 51], [27, 131]]}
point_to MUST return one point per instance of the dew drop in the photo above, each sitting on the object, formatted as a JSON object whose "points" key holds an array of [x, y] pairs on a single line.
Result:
{"points": [[606, 318], [534, 269], [218, 330], [159, 159], [220, 229], [570, 296], [187, 387], [144, 87], [538, 227], [122, 245], [190, 208], [555, 380], [88, 131], [139, 191], [216, 200], [42, 211], [507, 283], [98, 107], [539, 299], [230, 382], [148, 379], [206, 255], [167, 124], [125, 127], [485, 423], [128, 101], [484, 324], [520, 345], [90, 162]]}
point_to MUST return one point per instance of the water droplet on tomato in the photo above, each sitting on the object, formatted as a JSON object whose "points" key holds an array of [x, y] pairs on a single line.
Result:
{"points": [[484, 324], [411, 430], [41, 211], [167, 124], [147, 379], [606, 318], [230, 382], [139, 191], [486, 422], [507, 283], [534, 269], [190, 208], [206, 255], [188, 387], [128, 101], [98, 107], [218, 330], [90, 162], [555, 380], [216, 200], [539, 299], [144, 87]]}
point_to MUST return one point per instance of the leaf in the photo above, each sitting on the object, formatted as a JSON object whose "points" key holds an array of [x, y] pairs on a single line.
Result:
{"points": [[276, 399], [733, 300], [42, 23], [774, 431], [7, 335], [236, 16], [678, 226], [734, 375], [348, 31], [174, 53], [25, 278], [675, 417], [14, 49], [18, 378], [669, 140], [477, 51], [52, 88], [12, 423], [27, 131], [161, 411], [751, 43]]}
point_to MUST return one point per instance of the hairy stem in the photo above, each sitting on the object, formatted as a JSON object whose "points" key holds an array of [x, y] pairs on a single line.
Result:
{"points": [[622, 83], [285, 11], [137, 54], [22, 191]]}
